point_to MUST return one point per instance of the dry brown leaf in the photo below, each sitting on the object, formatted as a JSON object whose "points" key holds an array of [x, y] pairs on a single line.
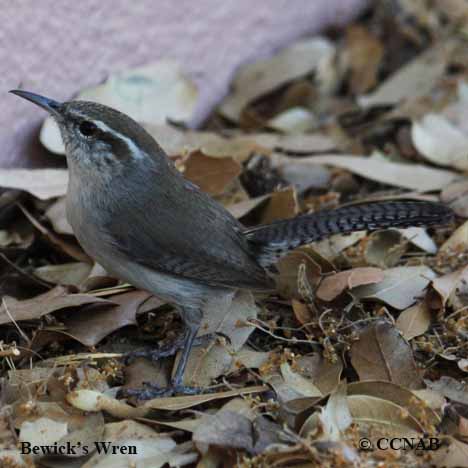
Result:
{"points": [[211, 175], [302, 312], [414, 321], [332, 286], [289, 266], [440, 142], [328, 422], [365, 53], [294, 120], [463, 365], [456, 195], [336, 416], [453, 456], [419, 237], [183, 402], [21, 236], [84, 431], [455, 10], [446, 285], [238, 210], [458, 241], [333, 246], [281, 205], [380, 412], [400, 288], [32, 376], [285, 393], [398, 395], [300, 384], [431, 398], [249, 359], [383, 354], [370, 409], [256, 79], [315, 178], [58, 423], [42, 431], [414, 79], [42, 183], [91, 400], [297, 144], [151, 448], [450, 388], [151, 304], [236, 425], [324, 374], [384, 249], [56, 299], [71, 249], [410, 176], [56, 213], [321, 377], [176, 142], [225, 429], [69, 274], [89, 326], [145, 370]]}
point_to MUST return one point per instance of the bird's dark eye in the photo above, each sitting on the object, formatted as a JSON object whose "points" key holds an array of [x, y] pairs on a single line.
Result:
{"points": [[88, 128]]}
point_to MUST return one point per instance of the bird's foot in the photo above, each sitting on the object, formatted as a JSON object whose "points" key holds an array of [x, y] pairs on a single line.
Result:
{"points": [[151, 391], [167, 350]]}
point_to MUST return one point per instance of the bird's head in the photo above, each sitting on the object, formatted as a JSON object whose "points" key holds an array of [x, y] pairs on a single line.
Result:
{"points": [[97, 136]]}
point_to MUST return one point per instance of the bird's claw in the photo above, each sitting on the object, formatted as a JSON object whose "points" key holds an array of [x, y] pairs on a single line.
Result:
{"points": [[165, 351]]}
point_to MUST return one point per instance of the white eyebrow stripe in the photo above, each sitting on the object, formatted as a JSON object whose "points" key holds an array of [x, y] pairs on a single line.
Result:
{"points": [[136, 152]]}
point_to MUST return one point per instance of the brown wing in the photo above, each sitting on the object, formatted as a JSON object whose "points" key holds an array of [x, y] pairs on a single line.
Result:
{"points": [[184, 232]]}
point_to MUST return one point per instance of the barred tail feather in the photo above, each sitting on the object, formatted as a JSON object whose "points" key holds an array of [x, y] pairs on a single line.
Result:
{"points": [[274, 240]]}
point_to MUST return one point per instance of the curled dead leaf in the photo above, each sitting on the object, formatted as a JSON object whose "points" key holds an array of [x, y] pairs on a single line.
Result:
{"points": [[456, 195], [332, 286], [91, 326], [414, 321], [440, 141], [400, 287], [210, 174], [446, 285], [458, 241], [56, 299], [392, 173], [41, 183]]}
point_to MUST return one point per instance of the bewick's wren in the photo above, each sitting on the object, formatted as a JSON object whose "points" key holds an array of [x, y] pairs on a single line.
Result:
{"points": [[136, 214]]}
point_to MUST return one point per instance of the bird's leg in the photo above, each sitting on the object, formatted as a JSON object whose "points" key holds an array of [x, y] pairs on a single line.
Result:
{"points": [[166, 350], [191, 333], [192, 319]]}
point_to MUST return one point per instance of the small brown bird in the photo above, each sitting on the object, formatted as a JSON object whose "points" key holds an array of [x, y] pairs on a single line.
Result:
{"points": [[136, 214]]}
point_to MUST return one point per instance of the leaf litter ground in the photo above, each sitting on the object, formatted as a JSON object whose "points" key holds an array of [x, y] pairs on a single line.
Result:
{"points": [[367, 334]]}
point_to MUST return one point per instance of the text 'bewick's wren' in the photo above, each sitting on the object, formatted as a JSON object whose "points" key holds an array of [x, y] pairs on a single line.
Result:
{"points": [[136, 214]]}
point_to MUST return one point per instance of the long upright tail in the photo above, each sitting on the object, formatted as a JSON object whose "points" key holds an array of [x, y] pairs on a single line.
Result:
{"points": [[274, 240]]}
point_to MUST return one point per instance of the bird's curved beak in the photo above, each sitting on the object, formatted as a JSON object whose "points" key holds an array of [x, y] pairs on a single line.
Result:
{"points": [[51, 106]]}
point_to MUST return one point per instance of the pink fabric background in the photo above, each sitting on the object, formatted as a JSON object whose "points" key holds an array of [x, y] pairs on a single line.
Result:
{"points": [[57, 48]]}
